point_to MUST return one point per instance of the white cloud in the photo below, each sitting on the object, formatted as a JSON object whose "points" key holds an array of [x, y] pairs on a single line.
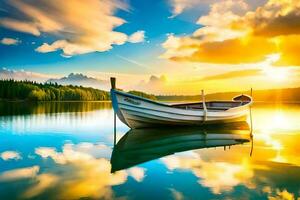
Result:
{"points": [[125, 81], [217, 24], [10, 155], [137, 173], [73, 153], [136, 37], [83, 80], [80, 26], [173, 46], [10, 41], [45, 48], [46, 152], [154, 84], [178, 6], [21, 173]]}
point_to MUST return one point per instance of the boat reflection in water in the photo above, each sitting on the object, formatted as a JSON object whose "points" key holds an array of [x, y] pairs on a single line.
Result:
{"points": [[141, 145]]}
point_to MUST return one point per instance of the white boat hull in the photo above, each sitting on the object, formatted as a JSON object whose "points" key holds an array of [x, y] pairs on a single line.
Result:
{"points": [[137, 112]]}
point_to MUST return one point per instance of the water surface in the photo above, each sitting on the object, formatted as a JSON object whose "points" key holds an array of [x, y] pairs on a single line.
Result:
{"points": [[65, 151]]}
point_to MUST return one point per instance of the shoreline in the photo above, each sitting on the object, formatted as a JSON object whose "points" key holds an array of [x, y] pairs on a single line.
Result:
{"points": [[67, 101], [266, 102], [109, 101]]}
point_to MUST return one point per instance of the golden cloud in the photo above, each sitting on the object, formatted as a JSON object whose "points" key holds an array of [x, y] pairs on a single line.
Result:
{"points": [[274, 18], [85, 175], [218, 176], [43, 182], [233, 74], [21, 26], [81, 26], [279, 195], [233, 36], [233, 51], [290, 48]]}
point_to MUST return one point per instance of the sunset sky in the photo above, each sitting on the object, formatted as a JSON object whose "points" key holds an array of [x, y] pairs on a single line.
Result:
{"points": [[159, 46]]}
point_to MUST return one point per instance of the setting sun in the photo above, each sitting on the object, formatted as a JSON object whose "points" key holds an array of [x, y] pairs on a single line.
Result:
{"points": [[276, 74], [272, 72]]}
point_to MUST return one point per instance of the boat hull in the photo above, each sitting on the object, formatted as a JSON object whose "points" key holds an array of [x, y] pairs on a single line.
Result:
{"points": [[138, 112]]}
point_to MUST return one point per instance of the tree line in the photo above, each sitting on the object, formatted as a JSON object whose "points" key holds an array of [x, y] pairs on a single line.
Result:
{"points": [[33, 91]]}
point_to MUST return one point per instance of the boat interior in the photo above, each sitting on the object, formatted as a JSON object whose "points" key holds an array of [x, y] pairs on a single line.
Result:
{"points": [[216, 105], [212, 105]]}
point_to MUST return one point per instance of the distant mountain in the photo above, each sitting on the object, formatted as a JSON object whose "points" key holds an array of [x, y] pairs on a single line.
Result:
{"points": [[6, 74], [81, 80]]}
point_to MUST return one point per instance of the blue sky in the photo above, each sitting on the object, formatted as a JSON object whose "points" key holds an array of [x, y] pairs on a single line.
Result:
{"points": [[216, 45], [149, 16]]}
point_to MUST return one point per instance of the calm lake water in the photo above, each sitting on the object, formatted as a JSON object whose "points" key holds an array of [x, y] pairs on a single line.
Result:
{"points": [[66, 151]]}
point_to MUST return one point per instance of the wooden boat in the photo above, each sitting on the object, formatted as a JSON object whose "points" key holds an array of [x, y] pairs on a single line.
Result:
{"points": [[141, 145], [139, 112]]}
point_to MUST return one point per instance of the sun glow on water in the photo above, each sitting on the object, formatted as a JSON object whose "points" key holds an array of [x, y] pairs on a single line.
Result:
{"points": [[274, 127]]}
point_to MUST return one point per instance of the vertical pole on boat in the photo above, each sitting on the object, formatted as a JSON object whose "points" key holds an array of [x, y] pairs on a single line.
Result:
{"points": [[204, 106], [113, 86], [113, 82], [251, 114], [251, 124]]}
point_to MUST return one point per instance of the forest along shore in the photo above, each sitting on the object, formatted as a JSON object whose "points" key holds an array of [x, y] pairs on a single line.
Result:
{"points": [[32, 91], [12, 90]]}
